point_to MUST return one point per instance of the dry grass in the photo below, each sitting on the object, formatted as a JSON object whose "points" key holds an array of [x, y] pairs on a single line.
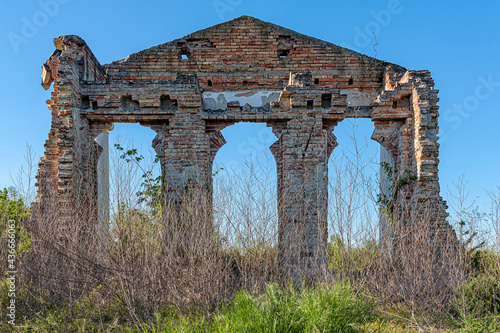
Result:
{"points": [[196, 255]]}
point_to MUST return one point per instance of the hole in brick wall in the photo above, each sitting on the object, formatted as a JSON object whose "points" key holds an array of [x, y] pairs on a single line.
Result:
{"points": [[381, 79], [128, 104], [209, 82], [326, 101], [168, 104], [245, 83], [184, 54], [404, 102], [85, 102], [351, 81], [310, 104], [316, 81], [395, 104], [94, 105], [283, 53]]}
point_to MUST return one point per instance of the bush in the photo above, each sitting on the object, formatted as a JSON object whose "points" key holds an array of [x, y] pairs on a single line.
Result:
{"points": [[480, 325], [12, 207], [479, 296]]}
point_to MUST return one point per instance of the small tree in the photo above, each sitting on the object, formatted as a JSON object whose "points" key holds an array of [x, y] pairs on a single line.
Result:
{"points": [[13, 212], [151, 187]]}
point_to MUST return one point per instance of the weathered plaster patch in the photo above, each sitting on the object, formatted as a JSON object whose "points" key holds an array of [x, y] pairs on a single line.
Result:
{"points": [[257, 99]]}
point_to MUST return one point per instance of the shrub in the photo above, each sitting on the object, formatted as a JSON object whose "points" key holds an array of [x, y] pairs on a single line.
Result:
{"points": [[479, 296]]}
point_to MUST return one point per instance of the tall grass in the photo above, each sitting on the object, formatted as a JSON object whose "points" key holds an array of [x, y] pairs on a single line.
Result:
{"points": [[329, 308], [212, 265]]}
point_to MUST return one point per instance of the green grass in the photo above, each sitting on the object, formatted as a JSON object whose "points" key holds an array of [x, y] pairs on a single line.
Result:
{"points": [[321, 309], [325, 308]]}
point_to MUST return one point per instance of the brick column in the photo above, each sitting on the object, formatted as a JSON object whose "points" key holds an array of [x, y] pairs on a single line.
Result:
{"points": [[187, 148], [66, 183], [427, 201], [419, 212], [186, 155], [302, 153], [64, 217]]}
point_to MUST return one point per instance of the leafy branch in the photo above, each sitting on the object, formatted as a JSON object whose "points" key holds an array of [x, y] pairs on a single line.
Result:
{"points": [[387, 202], [152, 187]]}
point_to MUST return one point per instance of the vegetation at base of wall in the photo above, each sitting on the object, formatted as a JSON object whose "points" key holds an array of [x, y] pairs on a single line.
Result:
{"points": [[335, 307], [184, 270], [357, 259], [478, 296]]}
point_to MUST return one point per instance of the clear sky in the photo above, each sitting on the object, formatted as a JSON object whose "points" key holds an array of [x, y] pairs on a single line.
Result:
{"points": [[458, 41]]}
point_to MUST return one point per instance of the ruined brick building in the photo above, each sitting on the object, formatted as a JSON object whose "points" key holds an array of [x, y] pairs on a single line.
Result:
{"points": [[189, 89]]}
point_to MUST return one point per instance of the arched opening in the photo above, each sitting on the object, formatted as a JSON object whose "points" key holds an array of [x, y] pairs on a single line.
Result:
{"points": [[127, 171], [354, 185], [244, 182]]}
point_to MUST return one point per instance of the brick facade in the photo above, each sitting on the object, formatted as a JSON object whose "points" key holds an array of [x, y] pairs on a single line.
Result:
{"points": [[319, 84]]}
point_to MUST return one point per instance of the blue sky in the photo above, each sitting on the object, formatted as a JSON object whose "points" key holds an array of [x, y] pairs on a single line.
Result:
{"points": [[458, 41]]}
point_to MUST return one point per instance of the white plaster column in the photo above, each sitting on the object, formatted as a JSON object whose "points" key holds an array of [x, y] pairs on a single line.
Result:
{"points": [[103, 187], [385, 230]]}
